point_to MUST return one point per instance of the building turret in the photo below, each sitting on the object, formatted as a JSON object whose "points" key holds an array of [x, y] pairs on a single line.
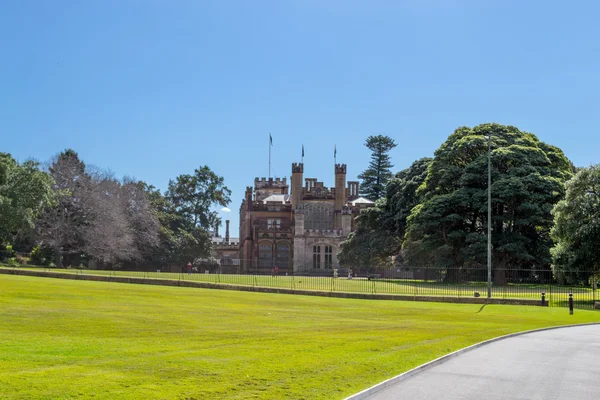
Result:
{"points": [[297, 171]]}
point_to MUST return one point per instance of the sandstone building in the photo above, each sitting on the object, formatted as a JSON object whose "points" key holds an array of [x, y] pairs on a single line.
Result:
{"points": [[299, 231]]}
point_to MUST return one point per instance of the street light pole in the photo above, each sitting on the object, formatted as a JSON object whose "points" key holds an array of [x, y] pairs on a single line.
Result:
{"points": [[489, 218]]}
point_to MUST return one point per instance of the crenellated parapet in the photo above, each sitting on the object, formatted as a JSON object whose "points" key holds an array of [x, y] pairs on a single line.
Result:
{"points": [[297, 168], [260, 183], [340, 169]]}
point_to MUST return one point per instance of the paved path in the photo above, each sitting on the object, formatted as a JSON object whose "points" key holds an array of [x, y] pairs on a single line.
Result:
{"points": [[556, 364]]}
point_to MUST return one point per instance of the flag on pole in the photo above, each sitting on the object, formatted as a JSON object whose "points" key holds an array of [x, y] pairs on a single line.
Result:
{"points": [[270, 139], [334, 151], [302, 151]]}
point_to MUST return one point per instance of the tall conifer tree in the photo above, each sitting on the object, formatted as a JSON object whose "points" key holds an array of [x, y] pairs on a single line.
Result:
{"points": [[376, 176]]}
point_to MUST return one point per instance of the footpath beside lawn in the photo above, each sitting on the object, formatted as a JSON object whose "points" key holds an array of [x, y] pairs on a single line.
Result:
{"points": [[82, 339]]}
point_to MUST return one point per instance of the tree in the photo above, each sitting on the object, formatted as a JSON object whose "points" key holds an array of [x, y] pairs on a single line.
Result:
{"points": [[576, 230], [185, 214], [24, 192], [448, 229], [178, 243], [377, 175], [61, 226], [141, 218], [96, 216], [380, 229], [194, 195]]}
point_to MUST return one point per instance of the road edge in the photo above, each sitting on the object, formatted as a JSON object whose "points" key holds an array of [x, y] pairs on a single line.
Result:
{"points": [[365, 394]]}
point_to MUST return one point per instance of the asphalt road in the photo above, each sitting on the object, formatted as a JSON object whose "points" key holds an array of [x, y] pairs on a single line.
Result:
{"points": [[556, 364]]}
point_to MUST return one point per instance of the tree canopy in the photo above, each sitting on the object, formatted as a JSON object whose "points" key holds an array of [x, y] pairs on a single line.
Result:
{"points": [[448, 228], [24, 192], [576, 230], [376, 176], [380, 229]]}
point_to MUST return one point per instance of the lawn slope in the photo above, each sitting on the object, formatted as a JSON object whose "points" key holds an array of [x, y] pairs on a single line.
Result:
{"points": [[78, 340]]}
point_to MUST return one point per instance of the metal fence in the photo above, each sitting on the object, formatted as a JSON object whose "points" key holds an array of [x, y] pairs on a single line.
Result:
{"points": [[510, 284]]}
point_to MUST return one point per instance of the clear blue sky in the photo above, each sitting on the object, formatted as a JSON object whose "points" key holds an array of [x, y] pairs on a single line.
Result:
{"points": [[153, 89]]}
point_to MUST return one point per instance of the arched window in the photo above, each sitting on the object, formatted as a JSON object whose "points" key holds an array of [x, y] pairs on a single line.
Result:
{"points": [[318, 216], [265, 254], [283, 254]]}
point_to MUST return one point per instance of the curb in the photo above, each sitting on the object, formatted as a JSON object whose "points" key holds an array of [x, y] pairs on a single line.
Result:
{"points": [[365, 394]]}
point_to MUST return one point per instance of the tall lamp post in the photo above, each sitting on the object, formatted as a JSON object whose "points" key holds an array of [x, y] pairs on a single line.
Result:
{"points": [[489, 232]]}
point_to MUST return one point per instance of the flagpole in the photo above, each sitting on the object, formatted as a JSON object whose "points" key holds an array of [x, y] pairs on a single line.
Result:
{"points": [[270, 140]]}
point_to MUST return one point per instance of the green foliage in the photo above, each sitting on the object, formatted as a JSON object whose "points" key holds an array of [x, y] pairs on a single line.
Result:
{"points": [[380, 229], [24, 192], [448, 228], [376, 176], [194, 195], [6, 252], [577, 228], [180, 239], [41, 255]]}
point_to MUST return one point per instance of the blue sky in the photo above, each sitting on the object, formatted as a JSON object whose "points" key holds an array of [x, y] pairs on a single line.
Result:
{"points": [[153, 89]]}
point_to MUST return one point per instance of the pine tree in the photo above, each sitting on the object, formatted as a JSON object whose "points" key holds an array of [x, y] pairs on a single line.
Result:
{"points": [[376, 176]]}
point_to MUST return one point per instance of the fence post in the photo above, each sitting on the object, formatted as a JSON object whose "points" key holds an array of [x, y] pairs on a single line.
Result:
{"points": [[543, 299], [571, 303]]}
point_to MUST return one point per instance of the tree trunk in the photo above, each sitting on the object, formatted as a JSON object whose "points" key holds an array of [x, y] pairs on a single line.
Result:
{"points": [[57, 257]]}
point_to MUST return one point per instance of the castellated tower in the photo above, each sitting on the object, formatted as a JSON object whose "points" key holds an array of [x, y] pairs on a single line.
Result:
{"points": [[297, 171], [340, 194]]}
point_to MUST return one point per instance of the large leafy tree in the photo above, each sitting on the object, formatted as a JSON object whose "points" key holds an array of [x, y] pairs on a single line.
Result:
{"points": [[448, 229], [376, 176], [194, 195], [24, 192], [186, 213], [178, 242], [380, 229], [577, 228]]}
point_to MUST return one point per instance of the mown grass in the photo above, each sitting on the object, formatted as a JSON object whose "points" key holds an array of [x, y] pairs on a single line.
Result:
{"points": [[554, 293], [62, 339]]}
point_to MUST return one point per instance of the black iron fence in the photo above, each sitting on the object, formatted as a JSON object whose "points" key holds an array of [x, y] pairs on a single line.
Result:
{"points": [[509, 284]]}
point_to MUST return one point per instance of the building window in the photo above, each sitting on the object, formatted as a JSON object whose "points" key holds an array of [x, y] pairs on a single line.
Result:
{"points": [[318, 216], [265, 255], [328, 257], [283, 255], [273, 223], [317, 257]]}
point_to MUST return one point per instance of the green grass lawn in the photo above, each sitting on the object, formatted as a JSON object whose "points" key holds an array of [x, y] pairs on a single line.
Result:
{"points": [[554, 293], [63, 339]]}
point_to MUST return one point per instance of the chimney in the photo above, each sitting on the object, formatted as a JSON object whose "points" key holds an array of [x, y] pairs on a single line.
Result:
{"points": [[217, 228], [227, 231]]}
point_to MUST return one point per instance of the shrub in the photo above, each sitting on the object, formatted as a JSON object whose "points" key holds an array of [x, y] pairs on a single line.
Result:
{"points": [[6, 252], [41, 255]]}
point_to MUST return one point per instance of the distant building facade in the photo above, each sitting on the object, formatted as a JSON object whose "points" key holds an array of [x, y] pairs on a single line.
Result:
{"points": [[226, 250], [298, 230]]}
